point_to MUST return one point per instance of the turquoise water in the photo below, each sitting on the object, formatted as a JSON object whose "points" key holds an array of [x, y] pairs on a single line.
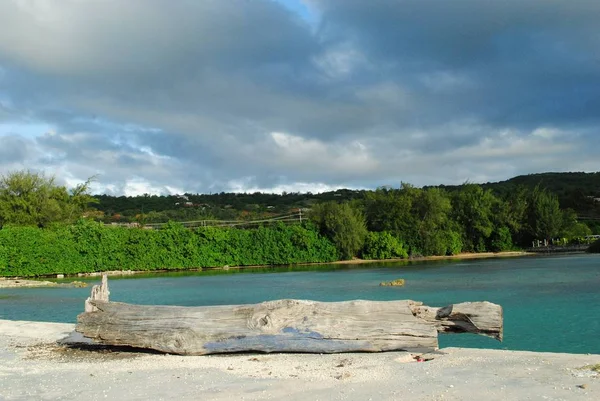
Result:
{"points": [[551, 303]]}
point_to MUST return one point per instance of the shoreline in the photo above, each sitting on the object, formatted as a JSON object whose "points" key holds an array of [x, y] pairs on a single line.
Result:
{"points": [[460, 256], [41, 281], [27, 283], [73, 372]]}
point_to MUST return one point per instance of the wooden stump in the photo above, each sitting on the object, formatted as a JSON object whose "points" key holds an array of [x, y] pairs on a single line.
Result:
{"points": [[99, 293]]}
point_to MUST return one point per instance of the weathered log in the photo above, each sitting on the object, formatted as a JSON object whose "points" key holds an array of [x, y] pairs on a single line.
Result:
{"points": [[483, 318], [286, 325], [99, 293]]}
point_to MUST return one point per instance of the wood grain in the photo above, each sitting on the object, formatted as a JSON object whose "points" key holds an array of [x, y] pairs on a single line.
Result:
{"points": [[286, 325]]}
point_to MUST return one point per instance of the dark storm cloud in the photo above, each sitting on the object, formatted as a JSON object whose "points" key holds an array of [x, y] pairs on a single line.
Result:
{"points": [[525, 62], [215, 95]]}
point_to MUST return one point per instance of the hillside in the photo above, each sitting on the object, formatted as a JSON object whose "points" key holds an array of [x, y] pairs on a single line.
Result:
{"points": [[574, 190]]}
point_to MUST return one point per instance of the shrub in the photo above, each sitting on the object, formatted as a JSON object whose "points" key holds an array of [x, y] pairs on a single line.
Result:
{"points": [[454, 243], [92, 247], [344, 225], [501, 240], [383, 245]]}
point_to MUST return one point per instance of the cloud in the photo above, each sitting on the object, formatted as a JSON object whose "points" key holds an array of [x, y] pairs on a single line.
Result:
{"points": [[15, 149], [157, 96]]}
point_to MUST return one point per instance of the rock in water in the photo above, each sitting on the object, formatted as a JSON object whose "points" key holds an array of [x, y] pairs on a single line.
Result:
{"points": [[395, 283]]}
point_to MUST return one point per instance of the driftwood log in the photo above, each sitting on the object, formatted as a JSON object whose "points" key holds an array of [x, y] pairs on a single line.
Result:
{"points": [[286, 325]]}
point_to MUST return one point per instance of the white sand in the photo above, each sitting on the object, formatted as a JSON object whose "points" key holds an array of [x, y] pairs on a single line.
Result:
{"points": [[18, 283], [34, 367]]}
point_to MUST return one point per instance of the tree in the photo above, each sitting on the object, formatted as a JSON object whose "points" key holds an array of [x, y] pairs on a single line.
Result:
{"points": [[419, 217], [343, 224], [501, 240], [32, 199], [392, 210], [432, 210], [79, 200], [510, 212], [571, 228], [472, 209], [545, 217]]}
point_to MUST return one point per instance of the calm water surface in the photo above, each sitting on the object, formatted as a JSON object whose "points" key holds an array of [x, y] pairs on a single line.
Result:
{"points": [[551, 303]]}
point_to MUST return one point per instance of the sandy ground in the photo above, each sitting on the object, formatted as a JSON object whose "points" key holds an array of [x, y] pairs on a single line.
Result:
{"points": [[20, 283], [14, 283], [460, 256], [33, 366]]}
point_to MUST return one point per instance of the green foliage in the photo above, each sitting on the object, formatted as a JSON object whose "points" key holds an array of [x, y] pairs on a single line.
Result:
{"points": [[429, 221], [510, 211], [454, 243], [422, 218], [383, 245], [343, 224], [545, 217], [574, 190], [90, 247], [432, 210], [473, 211], [501, 240], [31, 199], [593, 225], [391, 210], [571, 227]]}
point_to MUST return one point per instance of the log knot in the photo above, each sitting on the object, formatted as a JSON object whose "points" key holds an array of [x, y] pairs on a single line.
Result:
{"points": [[444, 312]]}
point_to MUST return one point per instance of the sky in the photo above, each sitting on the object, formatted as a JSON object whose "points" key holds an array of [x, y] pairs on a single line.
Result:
{"points": [[205, 96]]}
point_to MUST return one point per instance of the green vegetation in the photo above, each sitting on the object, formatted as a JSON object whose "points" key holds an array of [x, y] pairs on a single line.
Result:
{"points": [[431, 221], [47, 229], [343, 224], [31, 199], [593, 368], [383, 245], [545, 217], [574, 191], [399, 282], [90, 247], [579, 192], [418, 218]]}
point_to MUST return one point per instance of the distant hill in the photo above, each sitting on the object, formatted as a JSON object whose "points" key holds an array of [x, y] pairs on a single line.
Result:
{"points": [[574, 190], [219, 205], [559, 182]]}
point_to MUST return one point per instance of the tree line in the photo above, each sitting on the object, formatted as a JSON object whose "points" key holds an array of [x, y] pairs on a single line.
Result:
{"points": [[433, 221], [576, 191], [47, 228]]}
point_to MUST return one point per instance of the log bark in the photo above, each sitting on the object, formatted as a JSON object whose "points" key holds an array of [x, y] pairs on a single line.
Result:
{"points": [[286, 325], [483, 318]]}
